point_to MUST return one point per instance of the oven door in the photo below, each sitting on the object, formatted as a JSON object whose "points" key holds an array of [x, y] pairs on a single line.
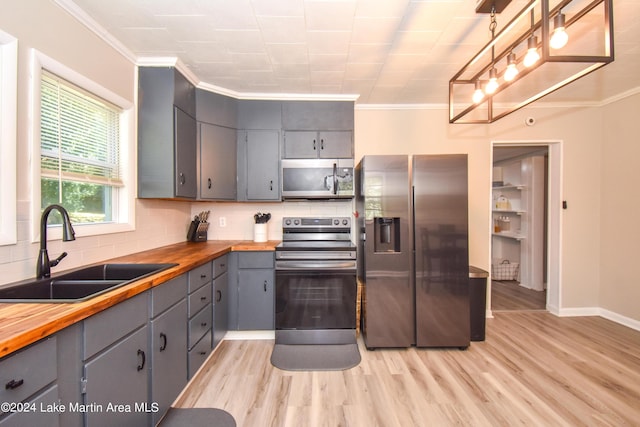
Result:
{"points": [[310, 298], [317, 179]]}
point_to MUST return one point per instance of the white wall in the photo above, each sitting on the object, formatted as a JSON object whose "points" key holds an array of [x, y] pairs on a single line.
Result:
{"points": [[579, 129], [620, 205], [46, 27]]}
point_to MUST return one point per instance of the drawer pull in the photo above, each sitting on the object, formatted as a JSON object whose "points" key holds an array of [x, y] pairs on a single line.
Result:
{"points": [[218, 295], [222, 265], [203, 276], [163, 337], [13, 384], [143, 359], [203, 353], [203, 298], [203, 324]]}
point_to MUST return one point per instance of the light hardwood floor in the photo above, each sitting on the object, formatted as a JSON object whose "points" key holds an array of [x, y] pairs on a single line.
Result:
{"points": [[509, 295], [533, 369]]}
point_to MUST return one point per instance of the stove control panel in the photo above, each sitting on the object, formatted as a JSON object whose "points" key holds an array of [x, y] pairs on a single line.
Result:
{"points": [[306, 222]]}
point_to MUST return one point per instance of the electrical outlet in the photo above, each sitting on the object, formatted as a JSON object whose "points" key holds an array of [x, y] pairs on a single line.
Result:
{"points": [[222, 221]]}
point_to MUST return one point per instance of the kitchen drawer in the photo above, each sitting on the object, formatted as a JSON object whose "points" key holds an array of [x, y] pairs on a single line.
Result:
{"points": [[37, 417], [107, 327], [220, 265], [255, 260], [167, 294], [28, 371], [200, 324], [199, 276], [199, 299], [198, 354]]}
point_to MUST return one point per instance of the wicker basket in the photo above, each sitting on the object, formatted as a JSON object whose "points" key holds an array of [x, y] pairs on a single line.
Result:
{"points": [[505, 270]]}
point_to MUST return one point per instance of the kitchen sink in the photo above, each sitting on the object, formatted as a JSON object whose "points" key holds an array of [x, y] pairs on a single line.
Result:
{"points": [[78, 285]]}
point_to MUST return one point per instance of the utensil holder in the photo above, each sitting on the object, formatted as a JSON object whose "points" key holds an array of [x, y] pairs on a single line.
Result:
{"points": [[260, 232]]}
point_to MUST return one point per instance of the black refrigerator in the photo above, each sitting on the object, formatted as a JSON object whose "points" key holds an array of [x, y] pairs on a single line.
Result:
{"points": [[413, 255]]}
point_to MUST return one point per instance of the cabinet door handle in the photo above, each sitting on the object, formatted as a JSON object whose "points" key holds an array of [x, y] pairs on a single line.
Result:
{"points": [[209, 183], [163, 337], [265, 286], [322, 144], [314, 144], [218, 295], [143, 359], [13, 384], [183, 179], [271, 185]]}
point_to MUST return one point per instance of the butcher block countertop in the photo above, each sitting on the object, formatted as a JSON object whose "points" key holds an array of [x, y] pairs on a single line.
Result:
{"points": [[22, 324]]}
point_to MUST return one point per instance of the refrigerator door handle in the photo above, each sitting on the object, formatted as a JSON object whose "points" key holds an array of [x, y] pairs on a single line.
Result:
{"points": [[335, 178]]}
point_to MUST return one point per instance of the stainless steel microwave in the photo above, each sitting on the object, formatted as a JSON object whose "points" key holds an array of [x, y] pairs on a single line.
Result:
{"points": [[317, 178]]}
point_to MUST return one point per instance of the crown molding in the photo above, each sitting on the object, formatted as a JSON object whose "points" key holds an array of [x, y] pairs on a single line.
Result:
{"points": [[75, 11]]}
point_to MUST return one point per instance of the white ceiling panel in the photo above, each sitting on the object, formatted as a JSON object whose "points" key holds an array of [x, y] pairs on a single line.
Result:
{"points": [[384, 51]]}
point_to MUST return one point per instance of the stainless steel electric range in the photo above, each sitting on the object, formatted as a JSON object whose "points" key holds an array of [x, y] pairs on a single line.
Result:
{"points": [[316, 282]]}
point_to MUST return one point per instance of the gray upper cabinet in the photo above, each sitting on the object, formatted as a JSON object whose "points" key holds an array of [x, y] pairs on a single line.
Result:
{"points": [[323, 145], [218, 162], [216, 109], [317, 129], [167, 135], [259, 165], [258, 114], [317, 115]]}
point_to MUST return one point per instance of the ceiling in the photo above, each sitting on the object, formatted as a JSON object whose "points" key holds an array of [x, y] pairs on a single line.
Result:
{"points": [[380, 51]]}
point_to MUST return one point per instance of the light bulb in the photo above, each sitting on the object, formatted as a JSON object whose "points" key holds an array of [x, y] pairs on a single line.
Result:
{"points": [[559, 38], [532, 55], [478, 94], [493, 84], [512, 70]]}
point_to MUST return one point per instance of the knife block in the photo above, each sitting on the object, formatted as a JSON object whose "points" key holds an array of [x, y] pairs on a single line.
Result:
{"points": [[197, 231]]}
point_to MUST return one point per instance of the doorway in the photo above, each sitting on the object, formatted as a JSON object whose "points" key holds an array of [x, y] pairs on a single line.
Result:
{"points": [[525, 214]]}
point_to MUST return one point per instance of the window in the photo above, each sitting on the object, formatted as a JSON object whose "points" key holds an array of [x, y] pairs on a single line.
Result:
{"points": [[79, 151], [82, 141]]}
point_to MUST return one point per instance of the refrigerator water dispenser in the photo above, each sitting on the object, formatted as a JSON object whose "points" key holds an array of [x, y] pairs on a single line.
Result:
{"points": [[387, 234]]}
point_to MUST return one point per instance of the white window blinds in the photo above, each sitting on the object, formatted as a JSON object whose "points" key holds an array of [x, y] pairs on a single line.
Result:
{"points": [[79, 135]]}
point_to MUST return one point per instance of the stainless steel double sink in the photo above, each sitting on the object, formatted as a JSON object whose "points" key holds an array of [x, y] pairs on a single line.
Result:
{"points": [[78, 285]]}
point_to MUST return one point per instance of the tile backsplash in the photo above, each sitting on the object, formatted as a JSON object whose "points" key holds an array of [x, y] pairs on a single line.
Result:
{"points": [[238, 217]]}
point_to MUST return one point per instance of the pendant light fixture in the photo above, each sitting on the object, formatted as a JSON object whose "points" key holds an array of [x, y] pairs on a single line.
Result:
{"points": [[493, 84], [530, 46], [478, 93], [511, 71], [559, 38], [532, 55]]}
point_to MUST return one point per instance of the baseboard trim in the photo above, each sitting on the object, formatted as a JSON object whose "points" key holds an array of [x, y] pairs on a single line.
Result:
{"points": [[250, 335], [597, 311]]}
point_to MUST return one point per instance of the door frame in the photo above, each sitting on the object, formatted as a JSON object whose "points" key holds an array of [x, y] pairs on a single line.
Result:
{"points": [[554, 224]]}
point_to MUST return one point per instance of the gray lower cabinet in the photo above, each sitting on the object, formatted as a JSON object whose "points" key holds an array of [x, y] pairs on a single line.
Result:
{"points": [[218, 163], [29, 383], [220, 299], [259, 165], [256, 293], [116, 365], [200, 317], [168, 344], [220, 308]]}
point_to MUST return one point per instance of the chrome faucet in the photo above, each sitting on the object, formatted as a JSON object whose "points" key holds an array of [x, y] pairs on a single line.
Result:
{"points": [[43, 267]]}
